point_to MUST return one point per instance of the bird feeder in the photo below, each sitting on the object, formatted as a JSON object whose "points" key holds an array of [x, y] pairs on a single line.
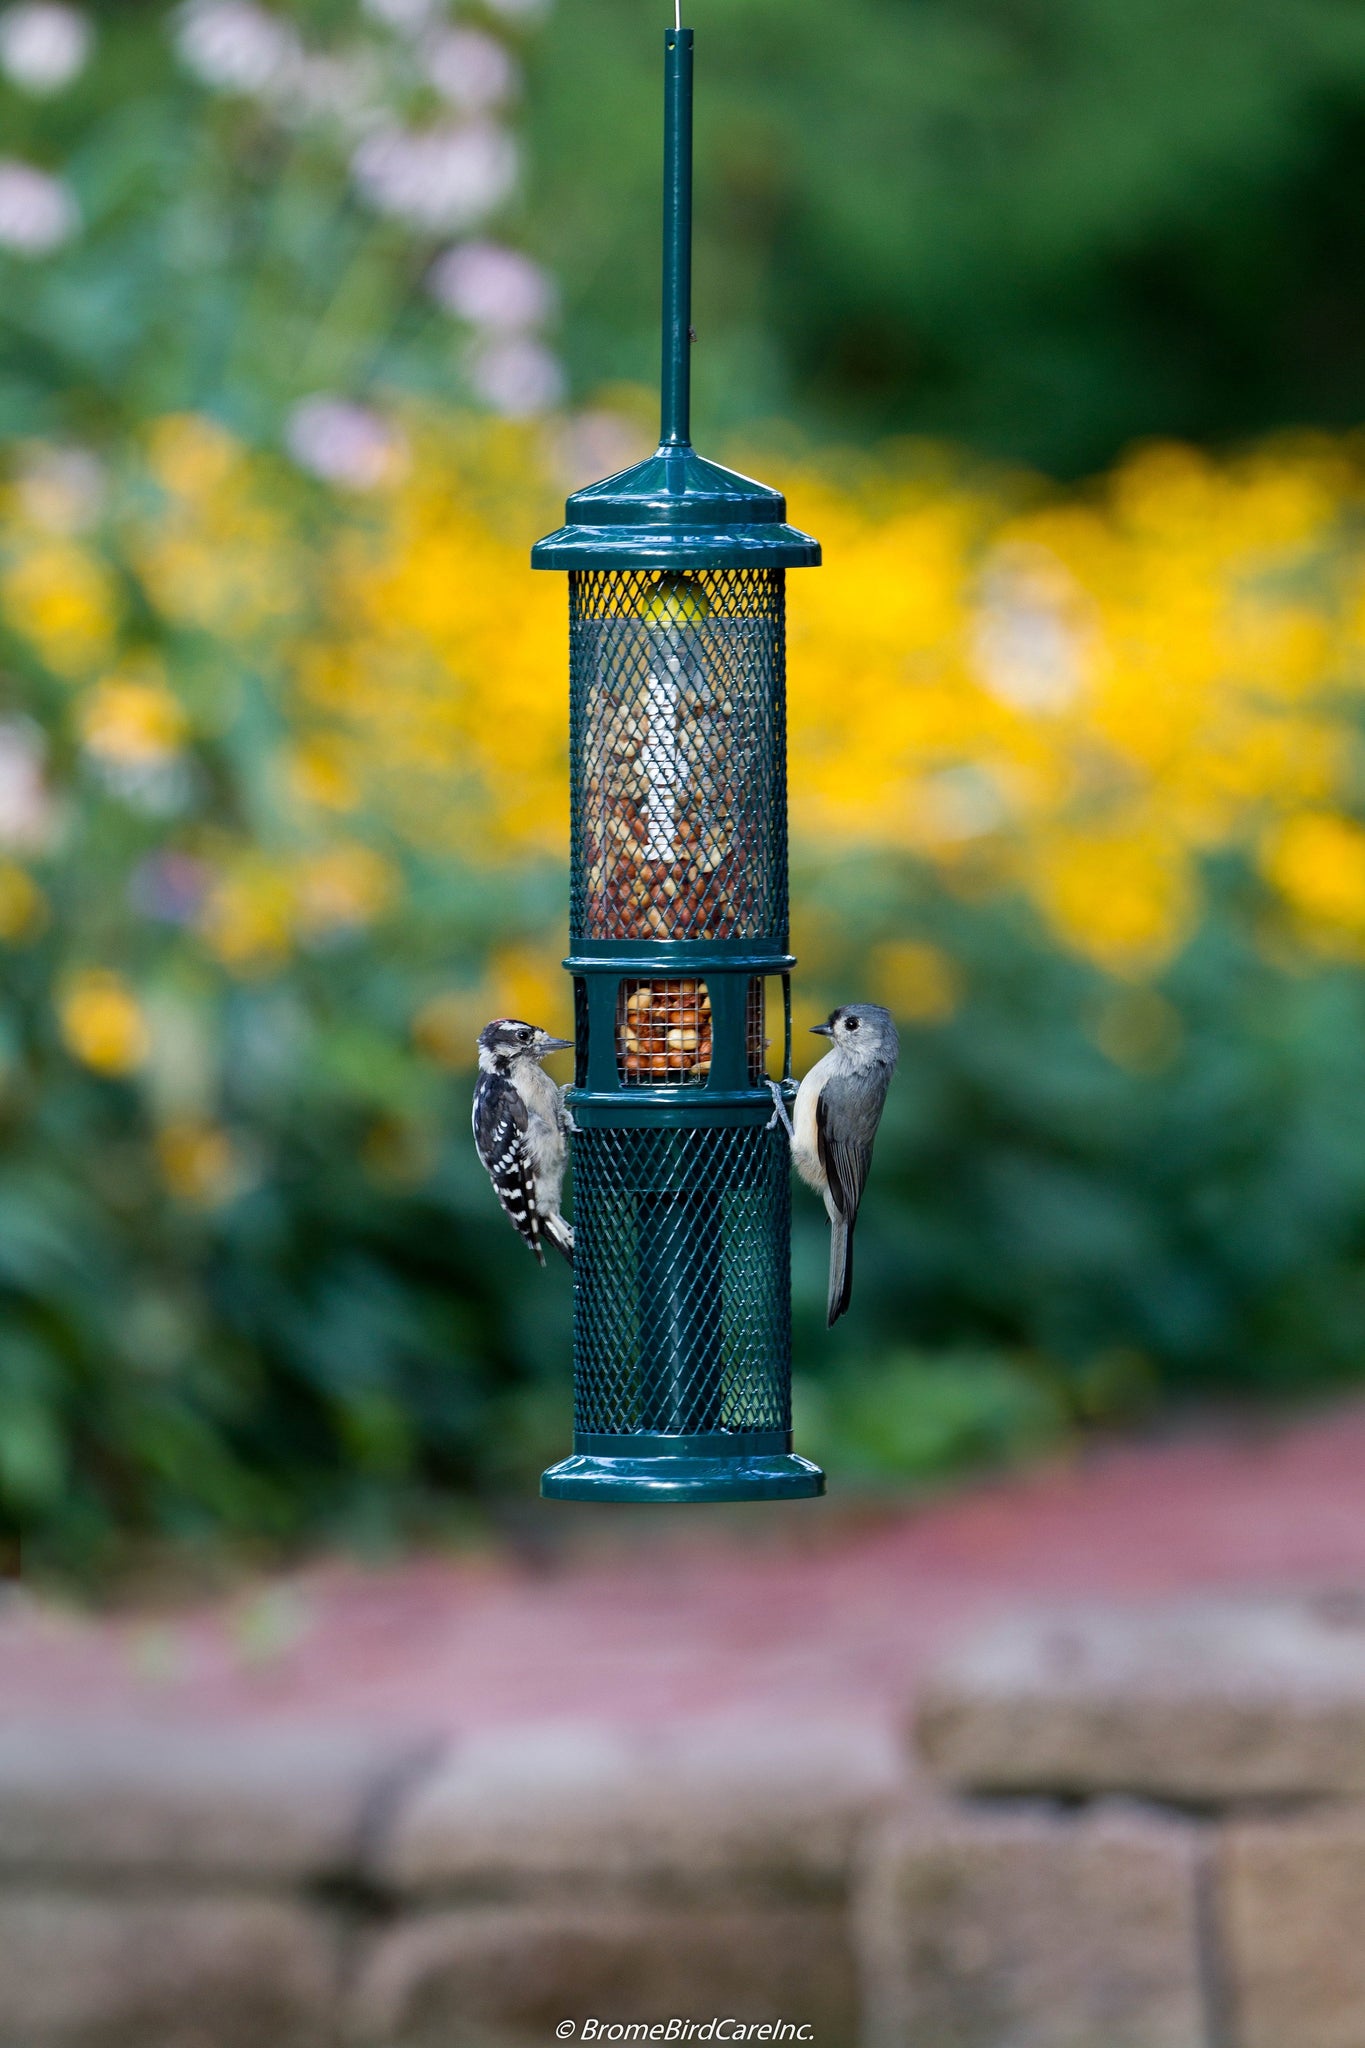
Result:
{"points": [[678, 924]]}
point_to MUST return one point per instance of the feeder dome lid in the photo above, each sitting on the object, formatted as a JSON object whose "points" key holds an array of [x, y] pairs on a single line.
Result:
{"points": [[676, 511]]}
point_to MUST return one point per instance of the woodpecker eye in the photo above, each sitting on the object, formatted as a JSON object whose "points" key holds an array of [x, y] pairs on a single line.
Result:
{"points": [[525, 1037], [850, 1023]]}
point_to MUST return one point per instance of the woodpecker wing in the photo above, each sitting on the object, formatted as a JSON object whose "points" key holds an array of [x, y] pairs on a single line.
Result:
{"points": [[500, 1120]]}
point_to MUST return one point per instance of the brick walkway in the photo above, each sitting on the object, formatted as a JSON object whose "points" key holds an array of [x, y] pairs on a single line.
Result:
{"points": [[800, 1611]]}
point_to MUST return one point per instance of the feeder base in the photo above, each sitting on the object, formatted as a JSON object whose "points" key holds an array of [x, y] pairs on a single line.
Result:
{"points": [[681, 1471]]}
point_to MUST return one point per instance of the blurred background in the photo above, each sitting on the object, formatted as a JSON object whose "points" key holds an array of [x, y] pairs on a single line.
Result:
{"points": [[1050, 318]]}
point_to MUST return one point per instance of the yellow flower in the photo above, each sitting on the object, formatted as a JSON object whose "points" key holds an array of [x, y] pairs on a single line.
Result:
{"points": [[1122, 898], [1317, 862], [918, 983], [191, 455], [219, 553], [103, 1024], [527, 981], [342, 889], [132, 720], [247, 920], [447, 1024], [321, 771], [23, 906], [1076, 695], [63, 599], [198, 1162]]}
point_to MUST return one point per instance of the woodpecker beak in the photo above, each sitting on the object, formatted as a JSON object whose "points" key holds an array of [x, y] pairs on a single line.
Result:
{"points": [[823, 1030], [545, 1044]]}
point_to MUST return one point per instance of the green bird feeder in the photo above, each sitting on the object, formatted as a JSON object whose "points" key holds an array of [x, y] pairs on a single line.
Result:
{"points": [[678, 923]]}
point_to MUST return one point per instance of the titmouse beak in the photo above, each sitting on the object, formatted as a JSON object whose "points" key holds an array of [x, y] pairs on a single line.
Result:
{"points": [[823, 1030], [545, 1044]]}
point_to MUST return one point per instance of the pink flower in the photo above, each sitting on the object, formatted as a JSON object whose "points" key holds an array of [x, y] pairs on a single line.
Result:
{"points": [[492, 287], [344, 443], [37, 212], [471, 70], [26, 811], [408, 16], [515, 375], [236, 46], [442, 179], [43, 45]]}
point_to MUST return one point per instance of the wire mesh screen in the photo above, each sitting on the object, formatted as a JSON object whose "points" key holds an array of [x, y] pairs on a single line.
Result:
{"points": [[682, 1314], [755, 1038], [663, 1033], [678, 745]]}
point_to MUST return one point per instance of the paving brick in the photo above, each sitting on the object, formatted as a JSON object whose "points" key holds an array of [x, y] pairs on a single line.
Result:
{"points": [[504, 1977], [1208, 1700], [778, 1807], [1032, 1929], [225, 1972], [1292, 1897], [280, 1805]]}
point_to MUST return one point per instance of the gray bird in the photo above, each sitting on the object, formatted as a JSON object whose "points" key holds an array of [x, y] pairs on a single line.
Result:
{"points": [[838, 1109], [521, 1129]]}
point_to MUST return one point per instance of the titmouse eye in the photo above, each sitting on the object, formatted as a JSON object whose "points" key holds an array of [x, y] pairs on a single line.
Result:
{"points": [[850, 1023]]}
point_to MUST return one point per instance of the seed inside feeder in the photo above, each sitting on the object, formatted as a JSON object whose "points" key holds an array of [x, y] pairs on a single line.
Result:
{"points": [[664, 1032]]}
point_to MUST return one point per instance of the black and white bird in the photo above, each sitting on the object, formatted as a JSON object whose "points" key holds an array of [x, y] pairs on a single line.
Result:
{"points": [[521, 1129], [838, 1108]]}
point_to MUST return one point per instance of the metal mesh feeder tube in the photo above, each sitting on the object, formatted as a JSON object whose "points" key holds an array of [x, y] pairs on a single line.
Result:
{"points": [[678, 924]]}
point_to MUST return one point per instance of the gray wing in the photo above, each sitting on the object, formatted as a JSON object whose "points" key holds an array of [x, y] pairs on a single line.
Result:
{"points": [[847, 1113]]}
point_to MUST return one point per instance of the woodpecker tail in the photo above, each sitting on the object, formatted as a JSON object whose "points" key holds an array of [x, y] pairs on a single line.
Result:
{"points": [[559, 1234], [840, 1267]]}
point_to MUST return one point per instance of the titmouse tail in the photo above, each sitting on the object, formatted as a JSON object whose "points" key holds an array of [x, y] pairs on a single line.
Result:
{"points": [[560, 1234], [840, 1267]]}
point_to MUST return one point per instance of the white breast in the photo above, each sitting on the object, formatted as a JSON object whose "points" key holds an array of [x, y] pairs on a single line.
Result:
{"points": [[537, 1091], [545, 1146], [805, 1148]]}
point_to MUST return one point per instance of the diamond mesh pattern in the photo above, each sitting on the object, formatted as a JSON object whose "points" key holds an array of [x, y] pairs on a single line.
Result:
{"points": [[682, 1314], [678, 747]]}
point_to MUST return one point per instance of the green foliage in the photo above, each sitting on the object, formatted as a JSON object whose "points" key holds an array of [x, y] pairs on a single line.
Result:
{"points": [[224, 261], [1183, 1210], [354, 1341], [1045, 227], [924, 1420], [338, 1343]]}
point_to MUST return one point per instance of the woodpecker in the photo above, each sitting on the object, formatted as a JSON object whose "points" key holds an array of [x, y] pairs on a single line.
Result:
{"points": [[521, 1129], [838, 1108]]}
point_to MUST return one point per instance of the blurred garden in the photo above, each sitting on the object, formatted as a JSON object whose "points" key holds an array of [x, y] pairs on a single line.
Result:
{"points": [[1048, 321]]}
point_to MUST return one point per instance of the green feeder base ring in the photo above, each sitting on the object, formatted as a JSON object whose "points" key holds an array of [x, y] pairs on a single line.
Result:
{"points": [[655, 1478], [710, 1466]]}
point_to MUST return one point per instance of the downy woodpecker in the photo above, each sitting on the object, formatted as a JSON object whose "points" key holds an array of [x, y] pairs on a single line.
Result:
{"points": [[521, 1129]]}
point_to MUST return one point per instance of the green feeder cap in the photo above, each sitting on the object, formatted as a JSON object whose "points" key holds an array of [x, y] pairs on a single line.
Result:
{"points": [[677, 511]]}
